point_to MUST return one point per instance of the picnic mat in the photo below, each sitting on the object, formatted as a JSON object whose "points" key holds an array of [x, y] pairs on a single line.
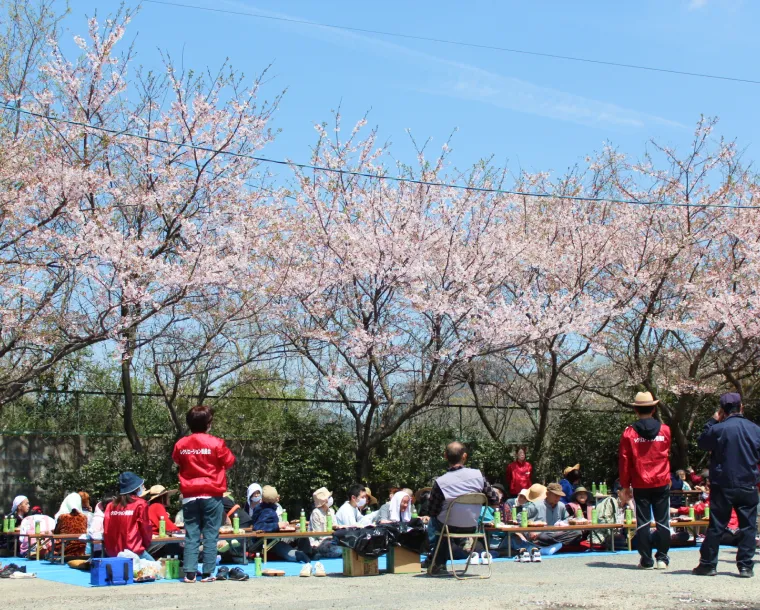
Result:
{"points": [[69, 576]]}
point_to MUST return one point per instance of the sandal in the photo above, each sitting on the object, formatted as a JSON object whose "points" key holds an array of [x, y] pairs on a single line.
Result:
{"points": [[238, 574], [188, 580], [209, 578]]}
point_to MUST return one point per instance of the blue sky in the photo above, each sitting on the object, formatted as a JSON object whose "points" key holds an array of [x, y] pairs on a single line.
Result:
{"points": [[534, 113]]}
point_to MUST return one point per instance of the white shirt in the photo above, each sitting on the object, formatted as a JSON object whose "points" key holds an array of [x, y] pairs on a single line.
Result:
{"points": [[348, 516]]}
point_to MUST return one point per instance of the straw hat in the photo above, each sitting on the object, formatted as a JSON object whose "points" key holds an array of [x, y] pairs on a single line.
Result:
{"points": [[371, 500], [158, 491], [419, 492], [321, 496], [269, 494], [644, 399], [536, 492], [569, 469]]}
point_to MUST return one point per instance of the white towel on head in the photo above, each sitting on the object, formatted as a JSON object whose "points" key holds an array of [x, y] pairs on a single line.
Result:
{"points": [[396, 514]]}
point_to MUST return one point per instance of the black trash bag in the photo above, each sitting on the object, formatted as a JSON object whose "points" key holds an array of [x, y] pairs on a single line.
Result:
{"points": [[414, 536], [372, 541]]}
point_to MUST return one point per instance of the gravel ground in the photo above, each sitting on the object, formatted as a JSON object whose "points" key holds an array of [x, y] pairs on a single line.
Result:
{"points": [[580, 582]]}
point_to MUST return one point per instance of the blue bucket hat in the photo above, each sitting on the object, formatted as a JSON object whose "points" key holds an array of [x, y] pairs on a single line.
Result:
{"points": [[129, 482]]}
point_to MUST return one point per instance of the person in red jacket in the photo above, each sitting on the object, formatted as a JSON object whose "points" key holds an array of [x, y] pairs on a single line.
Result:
{"points": [[518, 474], [203, 462], [126, 525], [157, 498], [645, 466]]}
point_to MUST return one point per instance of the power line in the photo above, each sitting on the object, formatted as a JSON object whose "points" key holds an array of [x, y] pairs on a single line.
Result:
{"points": [[333, 170], [462, 43]]}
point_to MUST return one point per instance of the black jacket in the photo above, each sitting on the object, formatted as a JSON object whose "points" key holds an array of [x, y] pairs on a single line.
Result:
{"points": [[735, 451]]}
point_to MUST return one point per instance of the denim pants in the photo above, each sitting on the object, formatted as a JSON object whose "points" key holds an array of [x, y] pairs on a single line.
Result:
{"points": [[202, 516]]}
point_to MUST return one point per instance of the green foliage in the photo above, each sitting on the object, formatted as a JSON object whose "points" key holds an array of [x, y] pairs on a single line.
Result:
{"points": [[591, 439], [99, 474]]}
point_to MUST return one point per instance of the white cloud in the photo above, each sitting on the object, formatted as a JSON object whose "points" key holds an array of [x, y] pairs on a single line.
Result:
{"points": [[444, 77], [695, 5]]}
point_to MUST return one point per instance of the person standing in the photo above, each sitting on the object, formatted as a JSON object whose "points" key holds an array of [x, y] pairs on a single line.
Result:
{"points": [[644, 465], [734, 446], [203, 462], [518, 474]]}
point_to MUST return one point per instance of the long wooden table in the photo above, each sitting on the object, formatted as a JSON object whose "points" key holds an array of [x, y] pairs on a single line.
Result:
{"points": [[630, 530]]}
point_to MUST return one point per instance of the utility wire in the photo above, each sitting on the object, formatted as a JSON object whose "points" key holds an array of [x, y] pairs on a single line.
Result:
{"points": [[461, 43], [401, 179]]}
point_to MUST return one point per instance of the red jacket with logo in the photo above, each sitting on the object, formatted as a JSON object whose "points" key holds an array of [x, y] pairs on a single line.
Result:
{"points": [[644, 462], [518, 477], [127, 528], [203, 461]]}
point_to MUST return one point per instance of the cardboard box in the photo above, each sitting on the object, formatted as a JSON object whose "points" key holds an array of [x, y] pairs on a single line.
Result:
{"points": [[354, 565], [403, 561]]}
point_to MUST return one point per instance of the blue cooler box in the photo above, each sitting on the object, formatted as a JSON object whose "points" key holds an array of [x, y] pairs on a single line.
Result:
{"points": [[108, 571]]}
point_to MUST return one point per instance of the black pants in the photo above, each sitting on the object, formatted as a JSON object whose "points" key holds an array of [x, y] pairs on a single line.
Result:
{"points": [[744, 501], [563, 538], [653, 501]]}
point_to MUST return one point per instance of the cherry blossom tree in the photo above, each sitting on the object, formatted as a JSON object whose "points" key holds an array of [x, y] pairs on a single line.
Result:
{"points": [[126, 204]]}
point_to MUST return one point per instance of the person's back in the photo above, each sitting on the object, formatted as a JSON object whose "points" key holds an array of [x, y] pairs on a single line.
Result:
{"points": [[203, 461], [457, 483], [265, 518], [734, 444], [126, 526]]}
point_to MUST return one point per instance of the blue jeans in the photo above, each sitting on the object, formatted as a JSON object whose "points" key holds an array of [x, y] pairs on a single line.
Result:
{"points": [[202, 516]]}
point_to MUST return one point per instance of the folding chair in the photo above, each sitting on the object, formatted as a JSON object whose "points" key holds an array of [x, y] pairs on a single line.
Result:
{"points": [[480, 500]]}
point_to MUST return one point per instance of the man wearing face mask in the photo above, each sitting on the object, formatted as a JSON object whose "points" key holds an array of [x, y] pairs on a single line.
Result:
{"points": [[324, 547], [349, 514]]}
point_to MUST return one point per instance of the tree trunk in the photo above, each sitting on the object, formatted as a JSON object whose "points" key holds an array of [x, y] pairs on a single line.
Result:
{"points": [[541, 433], [129, 424], [362, 464]]}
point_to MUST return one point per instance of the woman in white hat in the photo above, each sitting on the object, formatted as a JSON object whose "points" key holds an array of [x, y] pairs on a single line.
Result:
{"points": [[323, 547]]}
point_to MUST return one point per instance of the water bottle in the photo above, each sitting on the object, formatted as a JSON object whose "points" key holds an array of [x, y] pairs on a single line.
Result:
{"points": [[594, 519], [524, 518], [6, 521], [284, 515], [37, 527], [579, 514], [604, 489], [329, 522], [302, 522], [176, 567], [628, 516], [236, 524], [593, 489], [257, 562], [12, 524], [497, 516], [707, 513], [415, 514], [162, 527], [691, 513]]}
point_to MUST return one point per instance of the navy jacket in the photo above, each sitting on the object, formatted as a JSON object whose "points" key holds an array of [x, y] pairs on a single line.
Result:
{"points": [[735, 447], [265, 518]]}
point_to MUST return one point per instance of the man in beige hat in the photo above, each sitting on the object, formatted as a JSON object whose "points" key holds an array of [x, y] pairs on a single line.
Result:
{"points": [[551, 511], [644, 465]]}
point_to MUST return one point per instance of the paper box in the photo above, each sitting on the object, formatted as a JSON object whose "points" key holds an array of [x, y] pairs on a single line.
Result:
{"points": [[354, 565], [403, 561]]}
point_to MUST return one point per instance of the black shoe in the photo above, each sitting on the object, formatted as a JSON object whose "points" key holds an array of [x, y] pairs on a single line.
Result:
{"points": [[746, 573], [10, 569], [238, 574], [704, 570], [223, 573]]}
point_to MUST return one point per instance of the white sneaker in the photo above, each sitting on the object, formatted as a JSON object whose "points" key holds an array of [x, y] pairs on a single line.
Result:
{"points": [[485, 559], [518, 557], [474, 559], [524, 556], [535, 555], [661, 565], [306, 570], [319, 569]]}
